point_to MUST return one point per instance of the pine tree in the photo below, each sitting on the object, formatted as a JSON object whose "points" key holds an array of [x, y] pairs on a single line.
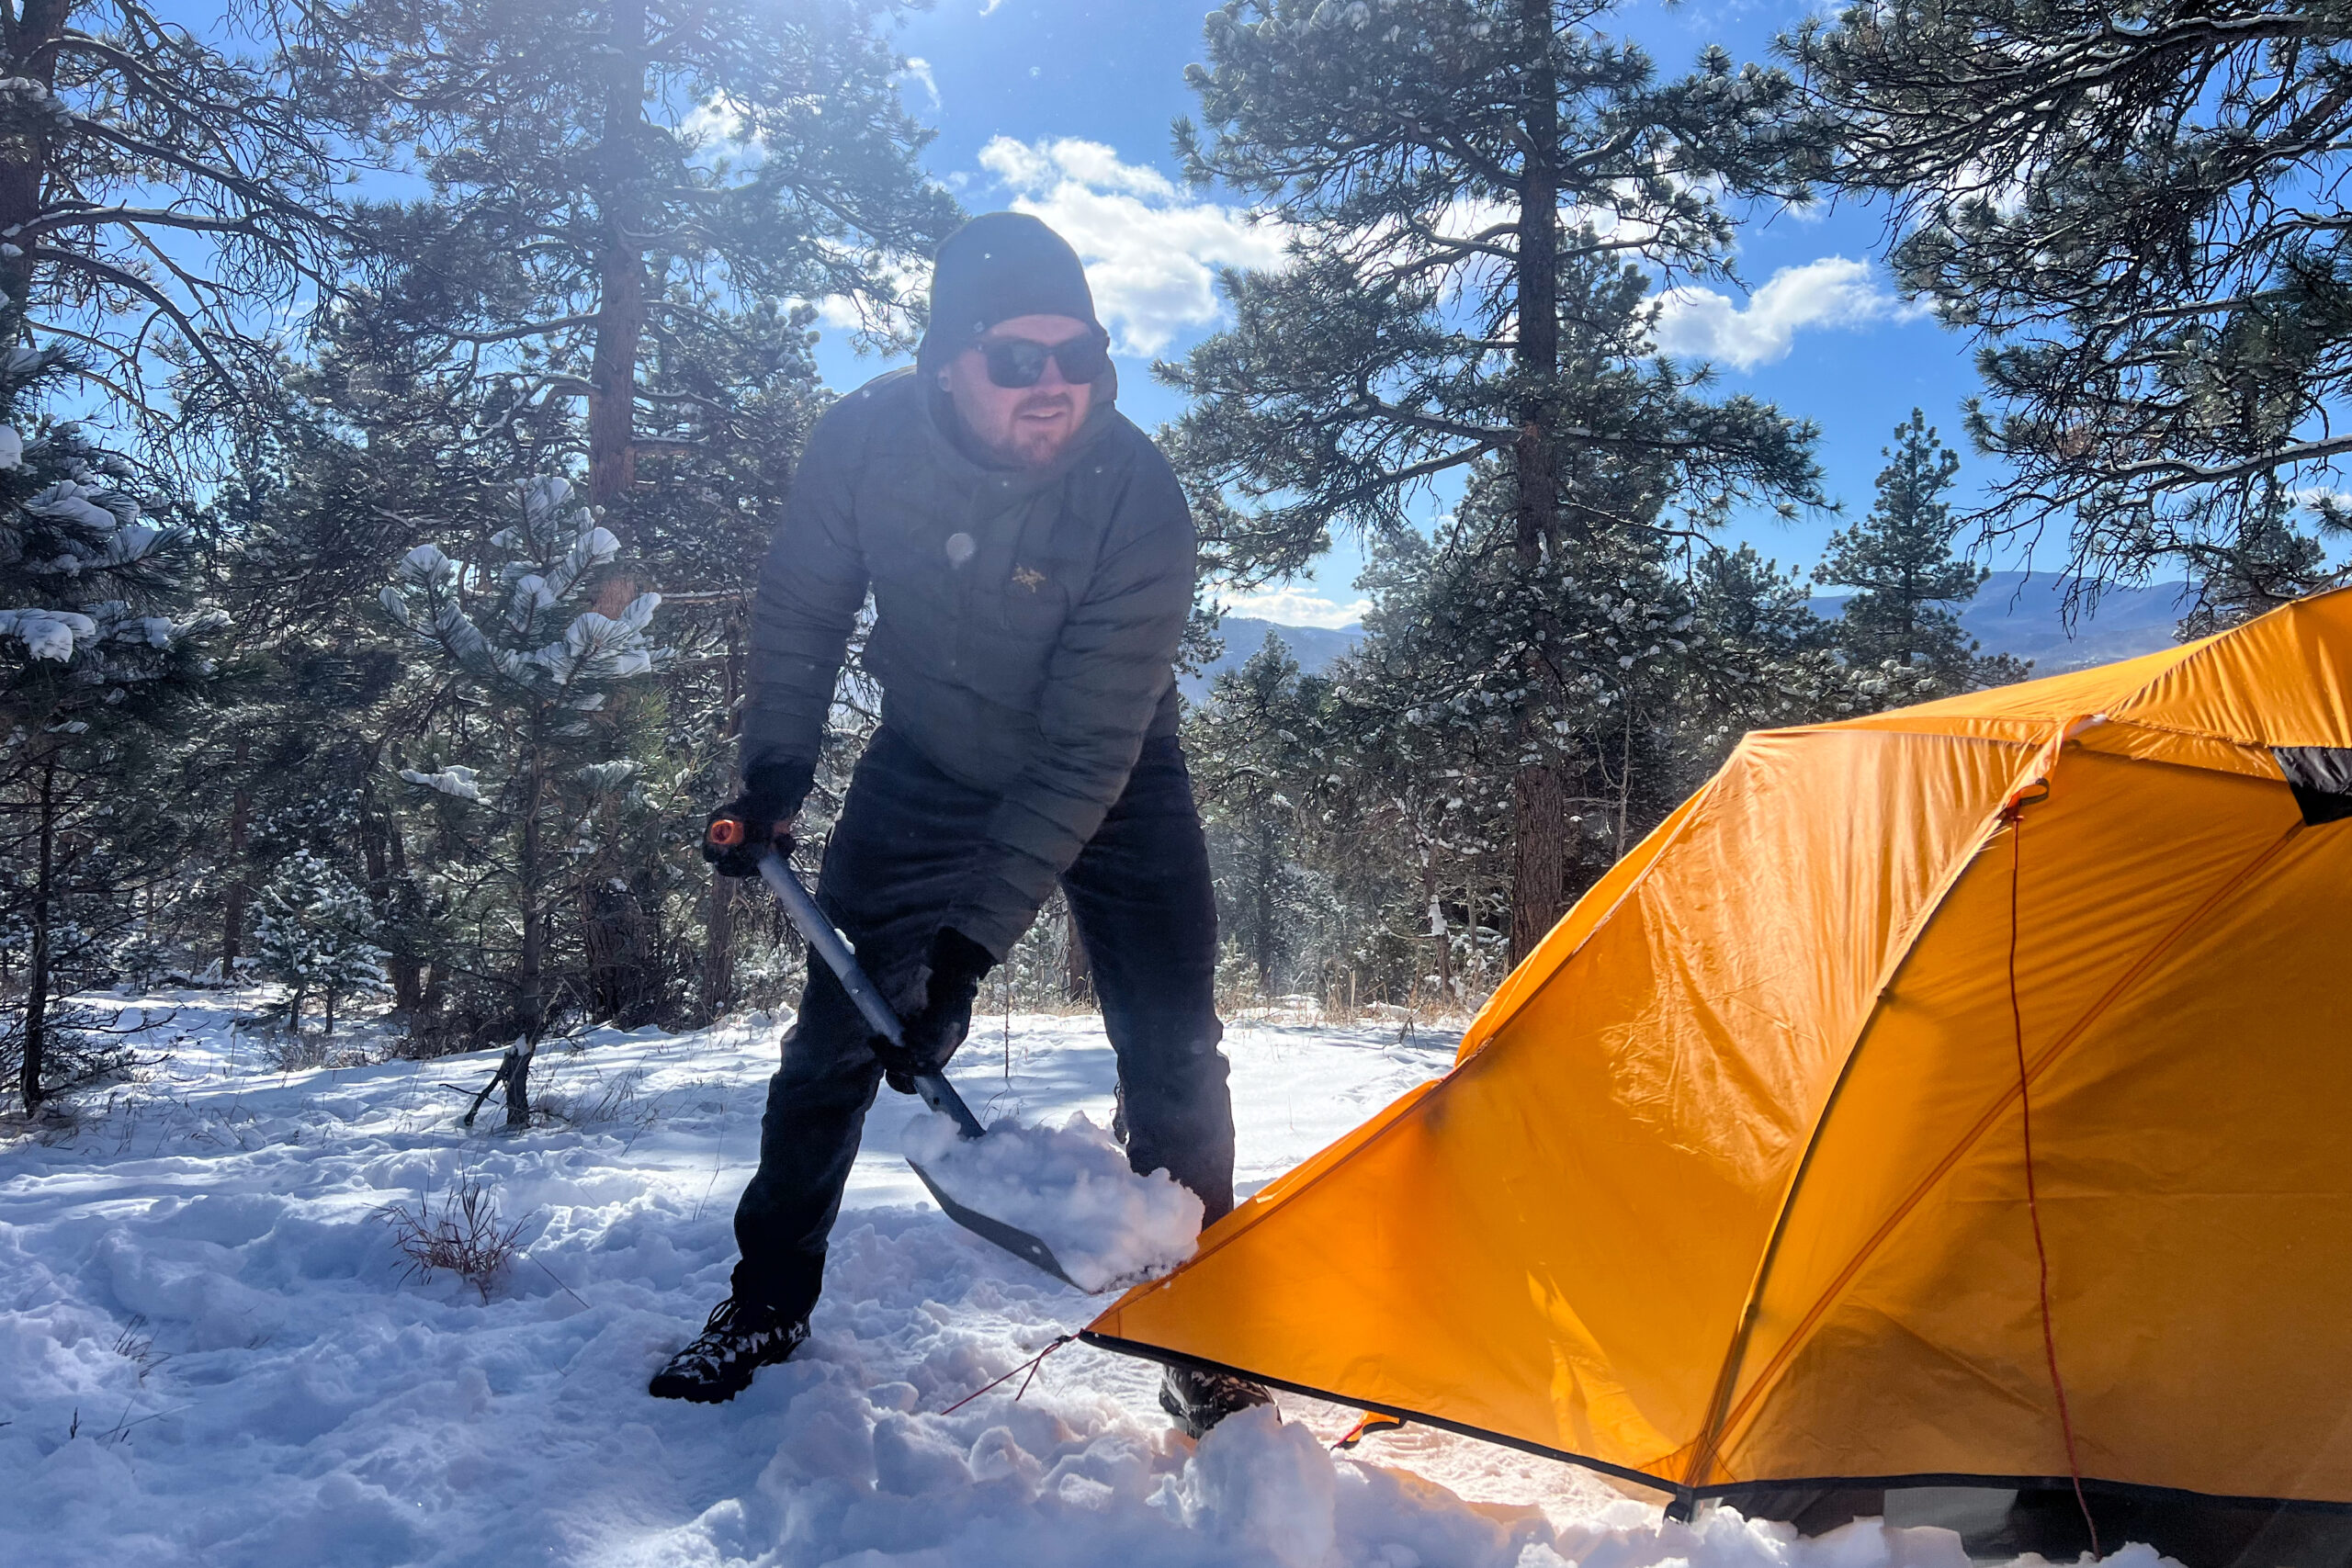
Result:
{"points": [[2123, 205], [1900, 561], [1257, 748], [158, 198], [1759, 658], [101, 651], [633, 211], [318, 936], [628, 199], [1472, 185], [2271, 562], [529, 668]]}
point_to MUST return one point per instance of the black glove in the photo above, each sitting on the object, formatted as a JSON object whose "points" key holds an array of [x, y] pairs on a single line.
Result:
{"points": [[772, 794], [957, 966]]}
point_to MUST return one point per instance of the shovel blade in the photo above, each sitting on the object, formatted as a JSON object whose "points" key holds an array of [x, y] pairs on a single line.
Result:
{"points": [[1013, 1239]]}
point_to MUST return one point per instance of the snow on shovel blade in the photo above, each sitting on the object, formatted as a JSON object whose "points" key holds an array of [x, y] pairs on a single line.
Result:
{"points": [[1019, 1243], [1069, 1191], [939, 1094], [934, 1087]]}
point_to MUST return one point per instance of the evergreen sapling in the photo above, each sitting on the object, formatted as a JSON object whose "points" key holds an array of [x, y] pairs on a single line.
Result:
{"points": [[318, 937], [535, 665]]}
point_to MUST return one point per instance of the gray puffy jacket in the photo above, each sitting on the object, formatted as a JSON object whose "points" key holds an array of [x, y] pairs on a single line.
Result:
{"points": [[1026, 620]]}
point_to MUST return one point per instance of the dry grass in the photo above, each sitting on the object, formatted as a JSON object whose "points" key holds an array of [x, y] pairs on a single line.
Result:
{"points": [[461, 1235]]}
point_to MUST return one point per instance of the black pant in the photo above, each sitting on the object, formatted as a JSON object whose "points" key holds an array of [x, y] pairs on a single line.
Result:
{"points": [[1145, 909]]}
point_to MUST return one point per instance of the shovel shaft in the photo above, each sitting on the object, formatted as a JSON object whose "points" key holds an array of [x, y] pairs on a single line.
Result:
{"points": [[829, 944]]}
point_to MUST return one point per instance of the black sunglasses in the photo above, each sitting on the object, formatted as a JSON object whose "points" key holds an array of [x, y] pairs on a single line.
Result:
{"points": [[1016, 362]]}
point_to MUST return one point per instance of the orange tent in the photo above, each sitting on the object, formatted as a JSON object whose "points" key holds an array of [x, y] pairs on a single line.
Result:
{"points": [[1729, 1184]]}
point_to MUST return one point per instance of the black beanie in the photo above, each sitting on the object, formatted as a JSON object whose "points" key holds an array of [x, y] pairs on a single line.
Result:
{"points": [[999, 266]]}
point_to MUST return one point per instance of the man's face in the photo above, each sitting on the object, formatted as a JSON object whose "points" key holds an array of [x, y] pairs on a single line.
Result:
{"points": [[1027, 425]]}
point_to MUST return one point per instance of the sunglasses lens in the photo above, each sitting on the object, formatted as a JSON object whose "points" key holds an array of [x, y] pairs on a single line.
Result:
{"points": [[1016, 362], [1084, 360]]}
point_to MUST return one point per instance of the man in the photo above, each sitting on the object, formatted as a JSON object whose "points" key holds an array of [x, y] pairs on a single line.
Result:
{"points": [[1031, 559]]}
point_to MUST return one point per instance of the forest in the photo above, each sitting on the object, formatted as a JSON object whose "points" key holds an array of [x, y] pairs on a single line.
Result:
{"points": [[397, 399]]}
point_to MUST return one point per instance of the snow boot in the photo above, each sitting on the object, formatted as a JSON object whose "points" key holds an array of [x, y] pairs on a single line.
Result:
{"points": [[740, 1339], [1199, 1399]]}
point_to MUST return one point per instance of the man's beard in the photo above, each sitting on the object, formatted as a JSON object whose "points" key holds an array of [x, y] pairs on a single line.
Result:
{"points": [[1036, 448]]}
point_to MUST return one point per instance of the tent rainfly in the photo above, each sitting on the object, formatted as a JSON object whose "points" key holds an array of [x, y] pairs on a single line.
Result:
{"points": [[1950, 1096]]}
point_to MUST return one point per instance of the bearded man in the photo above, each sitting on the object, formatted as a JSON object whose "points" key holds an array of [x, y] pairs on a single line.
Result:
{"points": [[1030, 560]]}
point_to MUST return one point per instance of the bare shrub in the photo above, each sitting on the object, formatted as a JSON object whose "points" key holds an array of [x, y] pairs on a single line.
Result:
{"points": [[603, 1099], [135, 1345], [461, 1234]]}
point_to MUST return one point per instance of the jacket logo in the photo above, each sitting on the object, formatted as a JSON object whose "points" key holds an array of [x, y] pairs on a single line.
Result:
{"points": [[1029, 578]]}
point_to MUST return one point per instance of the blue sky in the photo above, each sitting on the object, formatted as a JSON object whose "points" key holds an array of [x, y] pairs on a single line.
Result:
{"points": [[1063, 108]]}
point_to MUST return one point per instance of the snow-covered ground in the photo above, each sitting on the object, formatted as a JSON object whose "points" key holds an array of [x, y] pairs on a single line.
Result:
{"points": [[212, 1351]]}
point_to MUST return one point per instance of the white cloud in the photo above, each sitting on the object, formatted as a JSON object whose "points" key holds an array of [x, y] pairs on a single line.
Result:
{"points": [[1835, 291], [920, 69], [990, 9], [1148, 251], [1289, 607], [910, 276], [720, 127]]}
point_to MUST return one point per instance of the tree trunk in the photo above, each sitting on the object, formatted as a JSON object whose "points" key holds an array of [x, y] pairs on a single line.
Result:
{"points": [[1264, 947], [25, 174], [37, 970], [233, 904], [529, 998], [514, 1071], [1539, 856], [1539, 862], [400, 911], [616, 924], [621, 302], [621, 962], [718, 949], [1438, 929], [1078, 973]]}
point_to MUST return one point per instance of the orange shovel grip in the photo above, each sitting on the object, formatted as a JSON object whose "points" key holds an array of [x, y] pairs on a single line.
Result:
{"points": [[725, 832]]}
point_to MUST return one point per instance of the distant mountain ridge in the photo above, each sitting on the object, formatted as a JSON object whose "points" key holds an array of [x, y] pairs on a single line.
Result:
{"points": [[1313, 646], [2014, 613], [2024, 614]]}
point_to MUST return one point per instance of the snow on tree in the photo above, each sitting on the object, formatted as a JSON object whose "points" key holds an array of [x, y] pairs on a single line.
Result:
{"points": [[100, 647], [532, 668], [1259, 760], [318, 936]]}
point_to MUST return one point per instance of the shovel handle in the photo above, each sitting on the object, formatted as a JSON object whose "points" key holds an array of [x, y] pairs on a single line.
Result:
{"points": [[829, 944]]}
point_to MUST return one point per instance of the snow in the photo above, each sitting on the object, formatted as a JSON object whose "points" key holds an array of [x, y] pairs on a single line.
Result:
{"points": [[47, 634], [72, 502], [214, 1355], [458, 781], [1070, 1188]]}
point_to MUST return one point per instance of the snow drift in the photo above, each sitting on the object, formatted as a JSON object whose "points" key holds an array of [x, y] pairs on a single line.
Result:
{"points": [[210, 1355]]}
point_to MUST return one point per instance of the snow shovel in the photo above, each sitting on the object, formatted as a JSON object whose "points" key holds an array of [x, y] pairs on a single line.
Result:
{"points": [[934, 1087]]}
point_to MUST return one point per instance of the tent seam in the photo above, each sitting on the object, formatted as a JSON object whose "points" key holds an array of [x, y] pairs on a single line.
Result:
{"points": [[2206, 645], [1707, 1445], [1991, 1116]]}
